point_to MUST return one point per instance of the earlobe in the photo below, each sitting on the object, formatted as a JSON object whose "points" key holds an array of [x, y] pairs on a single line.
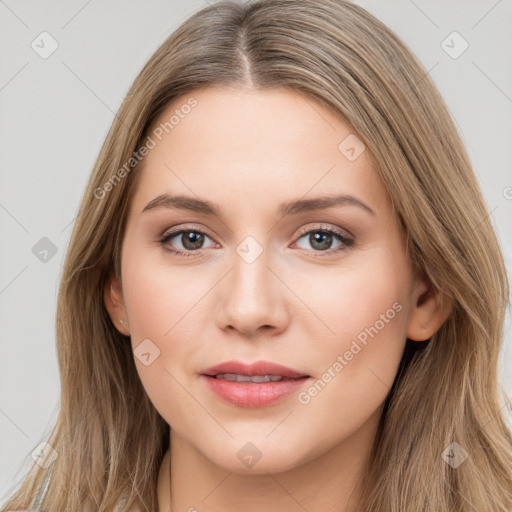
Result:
{"points": [[431, 308], [114, 302]]}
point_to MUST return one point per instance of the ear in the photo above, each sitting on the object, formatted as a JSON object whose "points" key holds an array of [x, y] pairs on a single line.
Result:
{"points": [[114, 302], [431, 308]]}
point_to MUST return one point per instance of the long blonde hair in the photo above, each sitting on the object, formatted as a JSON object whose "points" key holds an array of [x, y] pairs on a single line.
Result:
{"points": [[110, 439]]}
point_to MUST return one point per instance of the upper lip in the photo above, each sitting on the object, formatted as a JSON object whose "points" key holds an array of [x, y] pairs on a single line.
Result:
{"points": [[257, 368]]}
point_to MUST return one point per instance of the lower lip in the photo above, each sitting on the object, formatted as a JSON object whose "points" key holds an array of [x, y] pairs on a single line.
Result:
{"points": [[250, 394]]}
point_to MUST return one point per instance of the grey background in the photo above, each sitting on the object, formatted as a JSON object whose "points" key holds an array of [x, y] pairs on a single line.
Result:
{"points": [[55, 113]]}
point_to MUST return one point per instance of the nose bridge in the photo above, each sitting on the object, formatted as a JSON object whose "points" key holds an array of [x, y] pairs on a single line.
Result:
{"points": [[252, 298], [250, 281]]}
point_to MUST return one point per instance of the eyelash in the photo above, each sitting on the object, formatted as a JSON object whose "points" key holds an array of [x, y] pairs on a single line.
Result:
{"points": [[347, 243]]}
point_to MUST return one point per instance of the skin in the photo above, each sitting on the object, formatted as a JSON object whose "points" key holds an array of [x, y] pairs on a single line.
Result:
{"points": [[247, 151]]}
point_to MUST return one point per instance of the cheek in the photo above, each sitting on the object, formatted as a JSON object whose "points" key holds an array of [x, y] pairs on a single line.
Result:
{"points": [[355, 371], [162, 307], [162, 304], [161, 299], [363, 315], [351, 298]]}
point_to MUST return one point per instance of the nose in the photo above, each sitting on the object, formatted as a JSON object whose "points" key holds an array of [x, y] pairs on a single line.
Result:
{"points": [[252, 299]]}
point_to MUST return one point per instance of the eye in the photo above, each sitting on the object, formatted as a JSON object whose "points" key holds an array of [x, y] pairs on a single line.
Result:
{"points": [[322, 238], [191, 241]]}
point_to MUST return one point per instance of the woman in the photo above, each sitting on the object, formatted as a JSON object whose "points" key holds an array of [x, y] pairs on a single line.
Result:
{"points": [[283, 289]]}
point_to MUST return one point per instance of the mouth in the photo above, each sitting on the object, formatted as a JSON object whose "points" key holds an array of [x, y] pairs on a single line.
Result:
{"points": [[255, 379], [256, 385], [258, 372]]}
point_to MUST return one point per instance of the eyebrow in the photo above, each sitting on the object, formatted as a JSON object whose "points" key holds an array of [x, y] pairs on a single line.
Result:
{"points": [[294, 207]]}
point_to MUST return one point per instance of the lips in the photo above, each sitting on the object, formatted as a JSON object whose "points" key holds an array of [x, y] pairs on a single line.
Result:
{"points": [[258, 369], [256, 385]]}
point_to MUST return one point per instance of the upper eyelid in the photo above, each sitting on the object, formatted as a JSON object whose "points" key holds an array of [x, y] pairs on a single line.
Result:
{"points": [[176, 231], [323, 227], [301, 231]]}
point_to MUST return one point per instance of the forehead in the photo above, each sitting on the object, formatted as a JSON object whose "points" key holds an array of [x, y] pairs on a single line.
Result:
{"points": [[263, 144]]}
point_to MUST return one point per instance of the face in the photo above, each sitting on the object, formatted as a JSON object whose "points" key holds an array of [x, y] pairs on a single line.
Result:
{"points": [[323, 289]]}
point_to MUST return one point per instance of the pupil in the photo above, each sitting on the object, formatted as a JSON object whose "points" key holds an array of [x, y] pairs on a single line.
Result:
{"points": [[316, 237]]}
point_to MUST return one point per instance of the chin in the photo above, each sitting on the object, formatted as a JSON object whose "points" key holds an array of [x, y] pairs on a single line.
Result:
{"points": [[257, 458]]}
